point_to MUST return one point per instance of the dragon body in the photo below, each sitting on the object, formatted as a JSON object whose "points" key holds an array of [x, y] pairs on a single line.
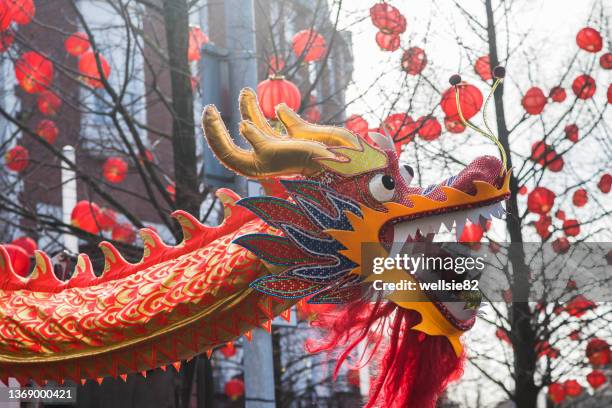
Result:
{"points": [[336, 192]]}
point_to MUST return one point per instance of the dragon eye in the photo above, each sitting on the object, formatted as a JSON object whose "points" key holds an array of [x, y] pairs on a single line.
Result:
{"points": [[407, 173], [382, 187]]}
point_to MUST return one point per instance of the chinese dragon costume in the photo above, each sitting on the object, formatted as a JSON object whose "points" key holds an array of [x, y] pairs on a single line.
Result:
{"points": [[332, 191]]}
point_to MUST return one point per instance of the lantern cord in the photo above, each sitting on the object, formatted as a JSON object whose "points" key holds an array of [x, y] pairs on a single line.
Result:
{"points": [[489, 134]]}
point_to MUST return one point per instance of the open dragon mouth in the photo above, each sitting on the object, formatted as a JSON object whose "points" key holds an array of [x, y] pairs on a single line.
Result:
{"points": [[474, 195]]}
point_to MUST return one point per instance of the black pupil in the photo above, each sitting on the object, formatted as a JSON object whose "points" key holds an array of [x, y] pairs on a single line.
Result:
{"points": [[388, 182]]}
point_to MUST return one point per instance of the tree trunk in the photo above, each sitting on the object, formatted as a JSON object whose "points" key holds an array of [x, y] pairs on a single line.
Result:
{"points": [[523, 335]]}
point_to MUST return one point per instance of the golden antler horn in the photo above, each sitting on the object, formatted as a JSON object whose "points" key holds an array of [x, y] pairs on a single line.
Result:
{"points": [[249, 110], [271, 156]]}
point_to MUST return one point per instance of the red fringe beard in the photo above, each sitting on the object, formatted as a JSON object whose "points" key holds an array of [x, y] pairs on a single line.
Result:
{"points": [[414, 369]]}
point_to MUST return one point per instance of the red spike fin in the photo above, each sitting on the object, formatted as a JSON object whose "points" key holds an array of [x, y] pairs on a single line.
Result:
{"points": [[163, 368], [114, 264], [152, 244], [248, 335], [192, 228], [228, 198], [123, 377], [286, 315], [144, 373], [43, 278], [177, 366], [267, 325], [99, 380], [83, 381], [8, 278], [209, 353], [83, 274]]}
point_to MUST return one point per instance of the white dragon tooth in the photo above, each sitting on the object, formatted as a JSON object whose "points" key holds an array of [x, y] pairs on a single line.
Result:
{"points": [[483, 222], [459, 228]]}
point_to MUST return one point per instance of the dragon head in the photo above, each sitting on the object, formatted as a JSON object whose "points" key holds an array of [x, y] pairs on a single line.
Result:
{"points": [[343, 191]]}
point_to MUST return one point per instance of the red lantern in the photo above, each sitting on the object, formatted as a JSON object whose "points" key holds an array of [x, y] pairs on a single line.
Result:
{"points": [[84, 216], [482, 66], [48, 103], [522, 190], [401, 127], [579, 305], [234, 389], [115, 169], [605, 183], [571, 227], [89, 69], [33, 72], [584, 86], [596, 379], [312, 113], [274, 91], [453, 125], [6, 40], [545, 155], [571, 132], [17, 158], [609, 95], [387, 18], [540, 200], [471, 233], [20, 261], [276, 65], [352, 377], [534, 101], [47, 130], [580, 197], [387, 42], [308, 45], [123, 233], [557, 94], [542, 226], [575, 335], [196, 40], [77, 44], [228, 350], [357, 125], [171, 190], [561, 245], [572, 388], [470, 100], [560, 214], [598, 352], [606, 60], [19, 11], [429, 128], [27, 243], [556, 393], [414, 60], [589, 39], [107, 219], [544, 348]]}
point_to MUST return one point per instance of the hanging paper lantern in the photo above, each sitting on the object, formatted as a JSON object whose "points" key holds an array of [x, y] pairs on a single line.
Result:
{"points": [[6, 40], [471, 233], [106, 219], [542, 226], [540, 200], [470, 100], [534, 101], [575, 335], [358, 125], [453, 125], [482, 66], [556, 393], [584, 86], [234, 389], [596, 379], [589, 39], [85, 215], [580, 197], [609, 95], [89, 69], [545, 155], [34, 72], [352, 377], [17, 158], [123, 232], [522, 190], [387, 18], [20, 261], [77, 44], [115, 169], [276, 65], [571, 132], [605, 183], [274, 91], [171, 190], [598, 352], [429, 128], [414, 60], [308, 45], [401, 127], [561, 245], [387, 42], [48, 103], [571, 227], [560, 214], [19, 11], [557, 94], [47, 130], [27, 243], [228, 350], [606, 60], [502, 334], [572, 388], [579, 305], [196, 40], [312, 113], [543, 348]]}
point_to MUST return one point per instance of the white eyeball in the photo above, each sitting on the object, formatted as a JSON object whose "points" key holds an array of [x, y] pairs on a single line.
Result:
{"points": [[407, 173], [382, 187]]}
